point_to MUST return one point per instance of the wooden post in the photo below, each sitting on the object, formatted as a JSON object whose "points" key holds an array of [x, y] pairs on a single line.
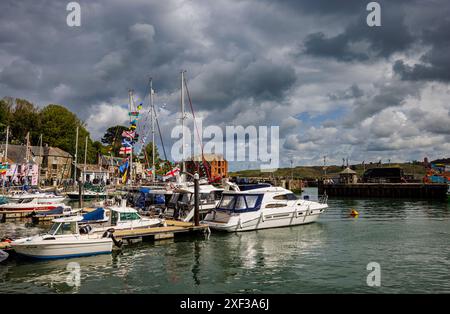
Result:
{"points": [[196, 200]]}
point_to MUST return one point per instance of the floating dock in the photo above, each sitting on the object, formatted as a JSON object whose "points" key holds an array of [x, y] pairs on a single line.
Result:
{"points": [[172, 229], [13, 215], [388, 190]]}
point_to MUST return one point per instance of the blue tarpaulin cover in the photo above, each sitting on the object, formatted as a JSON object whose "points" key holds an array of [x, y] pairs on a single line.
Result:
{"points": [[98, 214], [160, 199]]}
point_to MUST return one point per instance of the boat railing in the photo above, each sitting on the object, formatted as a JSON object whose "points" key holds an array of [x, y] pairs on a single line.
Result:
{"points": [[323, 199]]}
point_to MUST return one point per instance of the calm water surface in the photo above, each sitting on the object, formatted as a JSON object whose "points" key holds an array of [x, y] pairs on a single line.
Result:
{"points": [[409, 239]]}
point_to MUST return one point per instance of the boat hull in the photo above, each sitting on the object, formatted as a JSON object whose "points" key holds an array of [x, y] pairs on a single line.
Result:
{"points": [[35, 208], [63, 250], [267, 220]]}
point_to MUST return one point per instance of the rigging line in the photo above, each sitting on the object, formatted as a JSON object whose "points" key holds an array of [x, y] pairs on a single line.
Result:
{"points": [[160, 135], [196, 127]]}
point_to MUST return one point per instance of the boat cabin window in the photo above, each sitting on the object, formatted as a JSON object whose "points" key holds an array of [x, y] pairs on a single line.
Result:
{"points": [[217, 195], [185, 198], [174, 198], [114, 217], [227, 202], [129, 216], [25, 200], [289, 197], [63, 228], [240, 203]]}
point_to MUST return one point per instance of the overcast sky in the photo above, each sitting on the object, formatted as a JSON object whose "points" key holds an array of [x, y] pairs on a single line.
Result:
{"points": [[335, 86]]}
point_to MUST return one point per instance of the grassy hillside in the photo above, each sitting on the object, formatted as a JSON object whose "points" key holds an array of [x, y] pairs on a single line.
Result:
{"points": [[417, 170]]}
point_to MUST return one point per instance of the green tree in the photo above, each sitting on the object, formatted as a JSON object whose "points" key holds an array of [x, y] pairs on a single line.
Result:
{"points": [[59, 130], [5, 113], [113, 138], [148, 149], [24, 119]]}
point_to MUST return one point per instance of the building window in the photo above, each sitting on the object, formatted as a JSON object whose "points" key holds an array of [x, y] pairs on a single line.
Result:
{"points": [[54, 166]]}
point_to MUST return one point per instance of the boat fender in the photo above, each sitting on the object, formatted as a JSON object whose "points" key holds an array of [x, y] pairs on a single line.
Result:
{"points": [[354, 213], [3, 255]]}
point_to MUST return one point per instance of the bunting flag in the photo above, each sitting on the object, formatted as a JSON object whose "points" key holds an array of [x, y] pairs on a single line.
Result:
{"points": [[134, 114], [126, 142], [133, 121], [123, 167], [139, 107], [125, 150], [129, 134], [149, 171], [125, 176], [171, 173], [133, 127]]}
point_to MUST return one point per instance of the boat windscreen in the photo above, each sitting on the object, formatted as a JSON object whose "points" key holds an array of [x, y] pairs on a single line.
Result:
{"points": [[240, 203]]}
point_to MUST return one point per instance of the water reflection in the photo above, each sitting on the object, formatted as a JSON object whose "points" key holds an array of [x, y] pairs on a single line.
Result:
{"points": [[49, 276]]}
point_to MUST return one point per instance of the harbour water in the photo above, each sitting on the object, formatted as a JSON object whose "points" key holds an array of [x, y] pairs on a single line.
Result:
{"points": [[408, 238]]}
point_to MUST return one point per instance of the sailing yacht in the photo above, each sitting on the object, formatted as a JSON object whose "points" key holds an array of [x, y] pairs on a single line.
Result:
{"points": [[262, 208]]}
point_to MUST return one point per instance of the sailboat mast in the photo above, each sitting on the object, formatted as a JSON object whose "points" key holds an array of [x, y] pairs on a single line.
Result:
{"points": [[41, 158], [130, 96], [182, 120], [75, 160], [85, 160], [6, 146], [27, 154], [153, 129]]}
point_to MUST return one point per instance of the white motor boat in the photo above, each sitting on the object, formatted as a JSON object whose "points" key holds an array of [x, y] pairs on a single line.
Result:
{"points": [[125, 218], [42, 196], [63, 241], [262, 208], [31, 205]]}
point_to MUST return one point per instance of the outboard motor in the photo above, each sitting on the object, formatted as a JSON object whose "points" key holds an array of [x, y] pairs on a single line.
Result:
{"points": [[109, 234]]}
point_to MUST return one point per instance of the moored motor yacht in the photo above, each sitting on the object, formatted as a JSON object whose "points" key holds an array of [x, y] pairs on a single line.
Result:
{"points": [[181, 204], [62, 241], [31, 205], [261, 208], [17, 197]]}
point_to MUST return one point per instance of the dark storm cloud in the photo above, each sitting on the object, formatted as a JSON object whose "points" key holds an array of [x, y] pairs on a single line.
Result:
{"points": [[359, 42], [435, 64]]}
